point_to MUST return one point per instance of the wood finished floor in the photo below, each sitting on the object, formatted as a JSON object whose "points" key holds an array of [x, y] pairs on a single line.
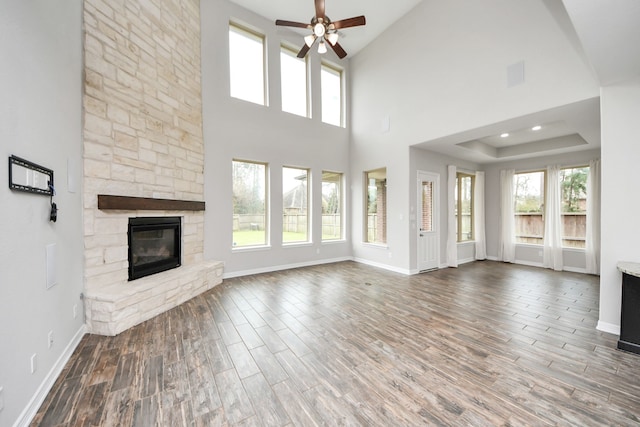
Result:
{"points": [[348, 344]]}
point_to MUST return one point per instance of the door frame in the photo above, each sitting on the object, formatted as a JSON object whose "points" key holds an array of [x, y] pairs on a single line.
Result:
{"points": [[435, 178]]}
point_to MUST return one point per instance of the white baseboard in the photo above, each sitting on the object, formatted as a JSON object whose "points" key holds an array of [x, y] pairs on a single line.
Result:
{"points": [[575, 270], [608, 327], [383, 266], [271, 269], [36, 401]]}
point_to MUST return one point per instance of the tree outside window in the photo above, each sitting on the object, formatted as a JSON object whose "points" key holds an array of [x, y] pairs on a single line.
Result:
{"points": [[295, 209], [331, 206], [249, 204], [376, 206], [464, 206], [573, 186], [529, 207]]}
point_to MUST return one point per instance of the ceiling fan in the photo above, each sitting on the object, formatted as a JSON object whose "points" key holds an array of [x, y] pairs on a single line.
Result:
{"points": [[324, 29]]}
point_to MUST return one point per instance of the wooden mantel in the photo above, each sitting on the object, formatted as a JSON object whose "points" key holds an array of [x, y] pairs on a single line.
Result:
{"points": [[106, 201]]}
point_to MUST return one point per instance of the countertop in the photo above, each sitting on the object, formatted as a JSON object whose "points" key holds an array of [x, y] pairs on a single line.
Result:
{"points": [[632, 268]]}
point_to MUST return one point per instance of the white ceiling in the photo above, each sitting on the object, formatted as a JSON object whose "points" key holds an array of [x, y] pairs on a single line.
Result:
{"points": [[605, 33], [379, 14]]}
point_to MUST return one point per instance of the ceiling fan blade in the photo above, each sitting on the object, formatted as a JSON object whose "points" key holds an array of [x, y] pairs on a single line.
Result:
{"points": [[284, 23], [338, 50], [303, 51], [320, 9], [351, 22]]}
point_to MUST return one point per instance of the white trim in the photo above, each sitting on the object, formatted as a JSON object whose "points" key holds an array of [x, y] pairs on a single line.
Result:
{"points": [[30, 411], [608, 327], [383, 266], [575, 269], [466, 260], [529, 263], [271, 269]]}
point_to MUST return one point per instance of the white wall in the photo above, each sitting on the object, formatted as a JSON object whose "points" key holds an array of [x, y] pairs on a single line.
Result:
{"points": [[574, 259], [40, 120], [441, 70], [235, 129], [620, 200]]}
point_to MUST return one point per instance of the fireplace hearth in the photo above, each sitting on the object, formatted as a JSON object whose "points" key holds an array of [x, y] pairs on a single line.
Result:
{"points": [[154, 245]]}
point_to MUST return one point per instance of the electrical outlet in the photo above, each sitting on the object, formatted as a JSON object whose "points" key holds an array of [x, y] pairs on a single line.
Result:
{"points": [[34, 363], [50, 339], [75, 310], [1, 399]]}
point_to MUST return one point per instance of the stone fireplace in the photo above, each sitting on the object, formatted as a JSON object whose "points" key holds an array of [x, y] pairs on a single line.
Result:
{"points": [[143, 154]]}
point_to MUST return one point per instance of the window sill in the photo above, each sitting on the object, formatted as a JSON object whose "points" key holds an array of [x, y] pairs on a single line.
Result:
{"points": [[467, 243], [296, 244], [333, 242], [376, 245], [250, 248], [564, 248]]}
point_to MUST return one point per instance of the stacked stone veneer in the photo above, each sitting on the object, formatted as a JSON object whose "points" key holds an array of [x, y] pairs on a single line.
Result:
{"points": [[142, 137]]}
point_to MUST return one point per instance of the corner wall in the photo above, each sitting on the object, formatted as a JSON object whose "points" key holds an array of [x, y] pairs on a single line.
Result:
{"points": [[441, 70], [620, 201], [40, 120], [236, 129]]}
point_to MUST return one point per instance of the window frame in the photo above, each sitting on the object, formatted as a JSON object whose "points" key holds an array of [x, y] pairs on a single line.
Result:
{"points": [[341, 207], [458, 214], [285, 49], [543, 204], [248, 32], [267, 217], [307, 207], [563, 212], [366, 195], [340, 72]]}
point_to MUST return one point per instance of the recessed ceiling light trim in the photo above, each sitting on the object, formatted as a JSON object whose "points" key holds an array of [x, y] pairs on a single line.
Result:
{"points": [[504, 135], [536, 128]]}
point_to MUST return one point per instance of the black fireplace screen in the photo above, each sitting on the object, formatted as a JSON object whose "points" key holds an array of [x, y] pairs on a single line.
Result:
{"points": [[154, 245]]}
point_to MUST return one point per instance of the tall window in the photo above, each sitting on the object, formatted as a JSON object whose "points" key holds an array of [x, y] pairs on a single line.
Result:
{"points": [[246, 63], [295, 209], [464, 206], [573, 185], [529, 207], [249, 204], [376, 206], [331, 83], [331, 205], [293, 79]]}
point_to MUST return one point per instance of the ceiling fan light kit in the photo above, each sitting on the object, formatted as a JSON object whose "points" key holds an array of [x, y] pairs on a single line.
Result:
{"points": [[324, 29]]}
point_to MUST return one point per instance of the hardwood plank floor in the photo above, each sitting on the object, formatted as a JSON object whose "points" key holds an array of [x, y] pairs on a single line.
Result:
{"points": [[349, 344]]}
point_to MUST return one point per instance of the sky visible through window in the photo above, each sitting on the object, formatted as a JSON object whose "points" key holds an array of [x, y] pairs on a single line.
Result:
{"points": [[293, 83], [331, 99], [246, 66]]}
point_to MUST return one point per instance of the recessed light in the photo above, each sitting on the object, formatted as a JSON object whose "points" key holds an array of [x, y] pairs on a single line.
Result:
{"points": [[504, 135], [536, 128]]}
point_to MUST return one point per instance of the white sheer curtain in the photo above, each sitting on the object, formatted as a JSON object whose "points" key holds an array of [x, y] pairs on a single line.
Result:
{"points": [[507, 246], [478, 216], [593, 218], [552, 253], [452, 240]]}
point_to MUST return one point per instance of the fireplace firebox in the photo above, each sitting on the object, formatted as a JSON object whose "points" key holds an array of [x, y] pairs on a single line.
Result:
{"points": [[154, 245]]}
